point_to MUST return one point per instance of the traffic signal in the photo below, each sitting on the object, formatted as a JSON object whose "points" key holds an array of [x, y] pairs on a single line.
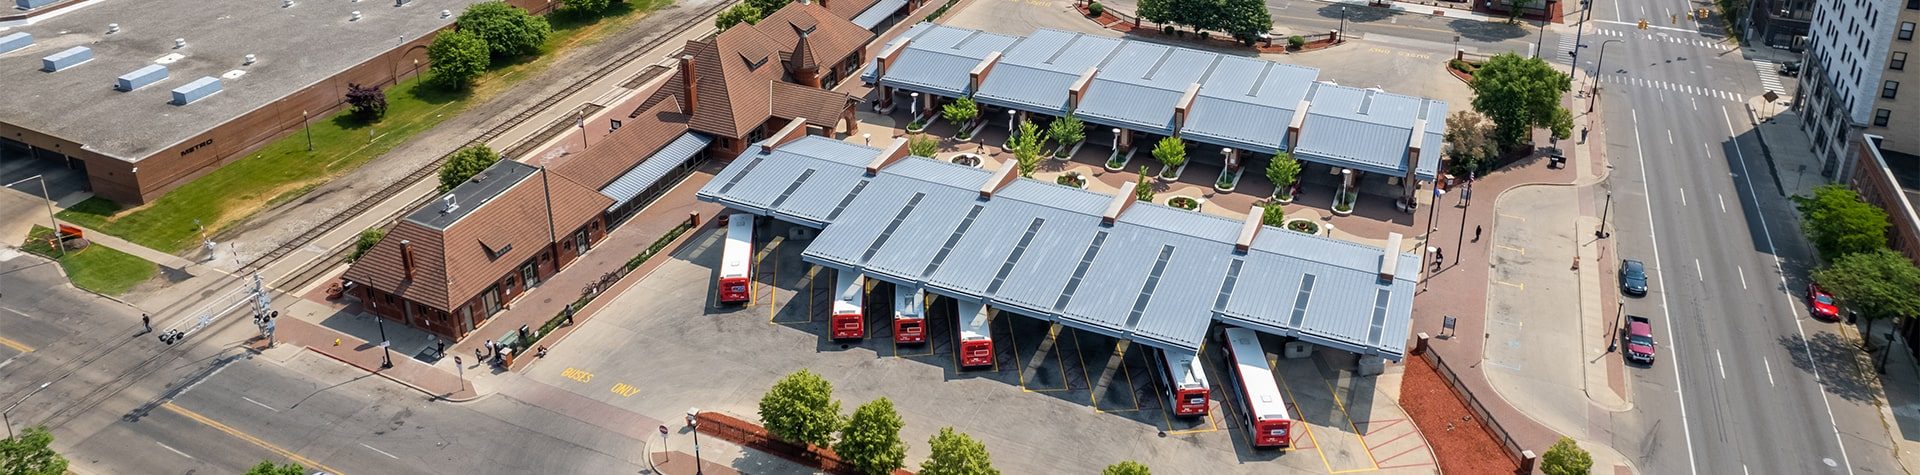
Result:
{"points": [[1643, 24]]}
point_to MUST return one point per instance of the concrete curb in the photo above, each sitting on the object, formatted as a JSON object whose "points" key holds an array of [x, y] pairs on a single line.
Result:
{"points": [[586, 312], [383, 374]]}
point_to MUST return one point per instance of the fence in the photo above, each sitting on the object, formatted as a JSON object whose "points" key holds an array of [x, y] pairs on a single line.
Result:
{"points": [[750, 435], [1479, 411]]}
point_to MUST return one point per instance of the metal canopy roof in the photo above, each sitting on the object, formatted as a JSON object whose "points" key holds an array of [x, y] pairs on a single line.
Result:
{"points": [[878, 13], [938, 59], [1159, 275], [657, 166], [1243, 103]]}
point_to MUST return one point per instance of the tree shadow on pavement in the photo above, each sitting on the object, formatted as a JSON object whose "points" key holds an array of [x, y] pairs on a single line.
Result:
{"points": [[1357, 13], [1846, 371], [1488, 31]]}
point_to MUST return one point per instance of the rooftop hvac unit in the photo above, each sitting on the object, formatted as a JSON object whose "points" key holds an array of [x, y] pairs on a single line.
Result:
{"points": [[15, 41], [140, 78], [66, 59], [179, 43], [249, 60], [196, 90], [113, 28]]}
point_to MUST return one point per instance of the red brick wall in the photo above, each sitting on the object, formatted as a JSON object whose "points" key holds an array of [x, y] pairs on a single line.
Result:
{"points": [[1878, 187]]}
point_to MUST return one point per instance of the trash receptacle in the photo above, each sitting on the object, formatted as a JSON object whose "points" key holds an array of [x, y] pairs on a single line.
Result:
{"points": [[507, 354]]}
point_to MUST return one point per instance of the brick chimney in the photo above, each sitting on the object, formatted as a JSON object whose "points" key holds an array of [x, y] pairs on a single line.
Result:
{"points": [[406, 257], [689, 82]]}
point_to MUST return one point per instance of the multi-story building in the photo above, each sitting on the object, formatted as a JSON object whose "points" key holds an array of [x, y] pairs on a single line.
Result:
{"points": [[1856, 64], [1781, 24]]}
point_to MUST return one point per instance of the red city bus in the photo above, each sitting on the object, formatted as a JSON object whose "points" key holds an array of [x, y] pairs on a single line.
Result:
{"points": [[736, 261], [848, 321], [1266, 410], [1186, 381], [976, 340], [909, 315]]}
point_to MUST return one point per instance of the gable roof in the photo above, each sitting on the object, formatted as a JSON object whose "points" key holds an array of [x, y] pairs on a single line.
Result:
{"points": [[625, 148], [820, 107], [831, 38], [847, 9], [737, 75], [455, 263]]}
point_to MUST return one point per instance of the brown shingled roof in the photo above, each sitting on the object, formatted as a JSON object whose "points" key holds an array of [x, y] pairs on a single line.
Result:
{"points": [[738, 72], [819, 107], [480, 248], [647, 132], [847, 9], [832, 38]]}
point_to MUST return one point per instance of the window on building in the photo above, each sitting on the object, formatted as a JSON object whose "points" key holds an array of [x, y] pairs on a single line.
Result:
{"points": [[1906, 31], [1913, 4], [1899, 60], [1881, 117], [1890, 89]]}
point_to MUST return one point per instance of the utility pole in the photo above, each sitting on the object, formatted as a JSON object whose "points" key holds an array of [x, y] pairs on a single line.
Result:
{"points": [[1601, 230], [5, 416], [58, 243], [1594, 94]]}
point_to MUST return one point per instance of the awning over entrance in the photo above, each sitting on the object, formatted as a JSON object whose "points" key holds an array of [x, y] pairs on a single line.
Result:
{"points": [[649, 172]]}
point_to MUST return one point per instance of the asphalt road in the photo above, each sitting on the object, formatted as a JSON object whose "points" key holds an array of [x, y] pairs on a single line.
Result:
{"points": [[1309, 17], [1746, 383]]}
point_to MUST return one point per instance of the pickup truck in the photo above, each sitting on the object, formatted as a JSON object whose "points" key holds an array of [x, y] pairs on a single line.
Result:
{"points": [[1639, 339]]}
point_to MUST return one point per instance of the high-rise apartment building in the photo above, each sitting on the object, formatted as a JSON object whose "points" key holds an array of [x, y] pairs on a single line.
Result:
{"points": [[1856, 64]]}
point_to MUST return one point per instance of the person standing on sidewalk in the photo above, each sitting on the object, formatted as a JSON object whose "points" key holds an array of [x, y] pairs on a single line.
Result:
{"points": [[1476, 233], [146, 322]]}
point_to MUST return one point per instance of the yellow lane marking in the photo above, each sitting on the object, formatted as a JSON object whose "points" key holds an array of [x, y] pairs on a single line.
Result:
{"points": [[1510, 284], [216, 425], [17, 346], [1356, 428], [1511, 248], [1273, 362]]}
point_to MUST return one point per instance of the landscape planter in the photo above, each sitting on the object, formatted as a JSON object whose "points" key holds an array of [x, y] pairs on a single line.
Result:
{"points": [[1228, 180], [1282, 198], [1118, 161], [923, 125], [1305, 226], [1073, 179], [1068, 155], [1162, 175], [1188, 203], [967, 159]]}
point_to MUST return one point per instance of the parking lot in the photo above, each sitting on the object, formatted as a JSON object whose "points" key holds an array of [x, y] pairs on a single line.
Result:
{"points": [[665, 346]]}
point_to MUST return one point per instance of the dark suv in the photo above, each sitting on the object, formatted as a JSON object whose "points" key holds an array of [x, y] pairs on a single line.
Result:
{"points": [[1633, 278]]}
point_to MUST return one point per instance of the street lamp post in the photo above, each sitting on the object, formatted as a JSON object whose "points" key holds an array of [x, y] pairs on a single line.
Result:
{"points": [[1594, 93], [868, 138], [1579, 32], [1601, 230], [1011, 115], [6, 415], [1343, 19], [913, 109], [693, 422], [57, 243], [386, 355], [309, 126]]}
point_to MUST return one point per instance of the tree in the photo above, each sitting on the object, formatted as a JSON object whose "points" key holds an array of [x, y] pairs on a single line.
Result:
{"points": [[960, 112], [1282, 171], [800, 408], [31, 453], [508, 31], [743, 12], [587, 7], [1245, 19], [1273, 214], [956, 454], [1025, 144], [1171, 152], [367, 239], [1517, 94], [1514, 9], [1561, 123], [455, 58], [369, 103], [1127, 468], [1143, 189], [1566, 458], [1067, 130], [1840, 223], [1879, 284], [769, 6], [871, 439], [921, 145], [465, 164], [266, 467], [1472, 139], [1157, 11]]}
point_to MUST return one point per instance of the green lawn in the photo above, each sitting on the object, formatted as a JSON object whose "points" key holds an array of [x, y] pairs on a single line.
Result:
{"points": [[285, 170], [97, 268]]}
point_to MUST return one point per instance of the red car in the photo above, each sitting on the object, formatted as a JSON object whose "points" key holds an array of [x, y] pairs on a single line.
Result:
{"points": [[1821, 303]]}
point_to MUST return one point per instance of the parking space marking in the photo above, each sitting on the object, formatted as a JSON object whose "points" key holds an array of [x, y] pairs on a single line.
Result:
{"points": [[1124, 371], [1335, 393], [1214, 407], [1021, 367], [1292, 402], [1510, 284]]}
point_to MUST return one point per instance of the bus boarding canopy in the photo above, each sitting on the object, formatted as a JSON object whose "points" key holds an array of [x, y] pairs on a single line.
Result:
{"points": [[1156, 275]]}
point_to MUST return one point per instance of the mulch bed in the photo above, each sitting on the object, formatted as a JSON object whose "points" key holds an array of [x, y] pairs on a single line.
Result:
{"points": [[1461, 443], [1125, 25]]}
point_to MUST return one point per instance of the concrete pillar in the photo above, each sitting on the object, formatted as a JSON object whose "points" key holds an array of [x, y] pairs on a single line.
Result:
{"points": [[1460, 55], [1370, 366], [885, 102], [1333, 36], [1527, 461], [1113, 362], [1126, 139], [1231, 157], [1420, 344]]}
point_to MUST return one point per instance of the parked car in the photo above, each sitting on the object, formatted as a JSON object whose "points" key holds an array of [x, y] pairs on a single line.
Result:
{"points": [[1633, 278], [1820, 303], [1639, 339], [1790, 69]]}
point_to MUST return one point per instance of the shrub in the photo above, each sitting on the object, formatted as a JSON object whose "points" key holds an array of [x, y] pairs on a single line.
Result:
{"points": [[369, 103], [1095, 9], [742, 12], [1067, 130], [465, 164], [508, 31], [1143, 189], [923, 146], [1273, 215], [367, 239], [587, 7], [1171, 152], [1296, 42], [800, 409]]}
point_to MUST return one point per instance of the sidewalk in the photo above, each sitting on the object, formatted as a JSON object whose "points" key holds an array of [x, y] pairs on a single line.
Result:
{"points": [[1448, 11], [1902, 410], [1796, 170], [293, 333]]}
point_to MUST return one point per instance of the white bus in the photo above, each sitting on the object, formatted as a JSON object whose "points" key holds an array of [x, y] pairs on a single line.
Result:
{"points": [[1186, 382], [1266, 409], [909, 315], [736, 261], [849, 304]]}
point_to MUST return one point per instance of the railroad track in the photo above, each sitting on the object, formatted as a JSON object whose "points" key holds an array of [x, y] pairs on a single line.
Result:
{"points": [[313, 271], [392, 189]]}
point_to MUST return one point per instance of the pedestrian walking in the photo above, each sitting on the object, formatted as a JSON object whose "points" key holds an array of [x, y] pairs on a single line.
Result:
{"points": [[479, 355], [492, 348], [1476, 233], [146, 322], [1439, 256], [1466, 195], [442, 347]]}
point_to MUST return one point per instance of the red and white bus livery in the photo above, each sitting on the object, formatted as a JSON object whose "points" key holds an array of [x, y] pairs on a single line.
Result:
{"points": [[1266, 410], [976, 339], [1186, 382], [736, 260], [909, 315], [849, 321]]}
